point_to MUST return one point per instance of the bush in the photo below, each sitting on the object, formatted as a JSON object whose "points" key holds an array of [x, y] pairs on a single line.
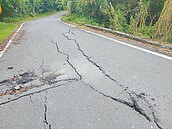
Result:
{"points": [[10, 19], [82, 20], [170, 39]]}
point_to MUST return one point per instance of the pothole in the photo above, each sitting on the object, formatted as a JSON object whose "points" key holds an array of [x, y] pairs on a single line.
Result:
{"points": [[17, 84], [24, 82]]}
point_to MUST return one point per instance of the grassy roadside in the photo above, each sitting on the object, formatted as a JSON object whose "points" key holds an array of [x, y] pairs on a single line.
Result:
{"points": [[6, 29], [81, 21], [10, 25]]}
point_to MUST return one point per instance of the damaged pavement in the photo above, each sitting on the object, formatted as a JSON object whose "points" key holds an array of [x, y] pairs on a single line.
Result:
{"points": [[58, 80]]}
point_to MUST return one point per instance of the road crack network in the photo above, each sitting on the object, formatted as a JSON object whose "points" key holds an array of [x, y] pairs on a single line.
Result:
{"points": [[45, 81], [88, 58], [134, 105], [67, 56], [39, 91]]}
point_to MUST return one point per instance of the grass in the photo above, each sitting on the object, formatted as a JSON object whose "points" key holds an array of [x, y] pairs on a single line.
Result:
{"points": [[6, 29], [9, 25], [80, 20]]}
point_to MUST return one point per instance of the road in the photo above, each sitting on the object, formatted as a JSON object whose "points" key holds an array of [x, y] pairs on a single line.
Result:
{"points": [[56, 76]]}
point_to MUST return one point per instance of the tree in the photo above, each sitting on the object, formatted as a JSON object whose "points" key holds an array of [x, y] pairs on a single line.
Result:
{"points": [[163, 26], [20, 8]]}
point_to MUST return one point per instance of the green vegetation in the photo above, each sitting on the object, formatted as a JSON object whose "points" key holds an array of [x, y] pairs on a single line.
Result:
{"points": [[146, 18], [16, 11], [24, 8], [6, 30], [81, 20]]}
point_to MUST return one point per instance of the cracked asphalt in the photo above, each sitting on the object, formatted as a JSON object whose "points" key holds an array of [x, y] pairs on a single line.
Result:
{"points": [[61, 77]]}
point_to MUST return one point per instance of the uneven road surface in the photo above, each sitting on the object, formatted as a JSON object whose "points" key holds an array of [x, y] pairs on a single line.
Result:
{"points": [[54, 76]]}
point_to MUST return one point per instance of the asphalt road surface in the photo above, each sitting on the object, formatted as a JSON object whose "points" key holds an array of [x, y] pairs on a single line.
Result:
{"points": [[54, 76]]}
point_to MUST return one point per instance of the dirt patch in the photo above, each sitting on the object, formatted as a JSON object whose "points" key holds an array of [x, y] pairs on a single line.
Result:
{"points": [[2, 46], [19, 36]]}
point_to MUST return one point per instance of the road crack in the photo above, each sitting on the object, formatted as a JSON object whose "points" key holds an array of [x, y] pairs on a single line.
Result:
{"points": [[134, 105], [45, 112], [40, 91], [156, 120], [42, 71], [31, 99], [88, 58], [67, 60]]}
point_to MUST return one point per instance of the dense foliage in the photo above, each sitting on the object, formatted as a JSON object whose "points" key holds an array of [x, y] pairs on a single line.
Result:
{"points": [[149, 18], [21, 8]]}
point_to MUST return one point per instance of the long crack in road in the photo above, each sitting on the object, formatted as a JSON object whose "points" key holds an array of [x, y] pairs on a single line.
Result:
{"points": [[133, 96]]}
